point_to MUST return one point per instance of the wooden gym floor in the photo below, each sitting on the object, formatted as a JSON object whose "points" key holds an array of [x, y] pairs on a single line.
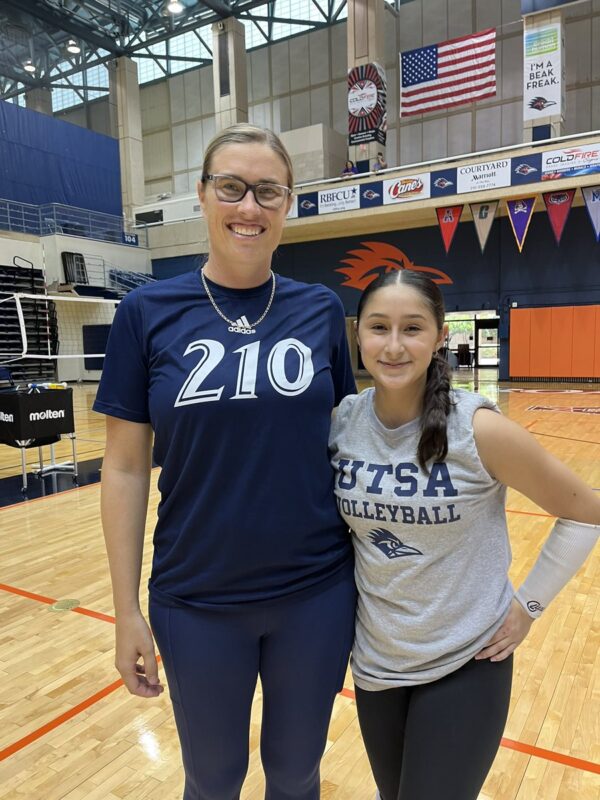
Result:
{"points": [[70, 731]]}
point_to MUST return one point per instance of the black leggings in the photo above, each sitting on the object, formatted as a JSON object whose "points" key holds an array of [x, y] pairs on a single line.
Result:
{"points": [[437, 740]]}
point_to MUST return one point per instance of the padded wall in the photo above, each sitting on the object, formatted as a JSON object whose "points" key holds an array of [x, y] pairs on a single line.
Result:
{"points": [[561, 342], [45, 160]]}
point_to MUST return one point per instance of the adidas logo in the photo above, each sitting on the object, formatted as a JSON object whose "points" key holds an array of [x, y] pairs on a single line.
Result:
{"points": [[242, 326]]}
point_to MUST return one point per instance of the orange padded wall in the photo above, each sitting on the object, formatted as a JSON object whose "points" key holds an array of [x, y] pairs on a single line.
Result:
{"points": [[520, 335], [560, 342], [584, 341]]}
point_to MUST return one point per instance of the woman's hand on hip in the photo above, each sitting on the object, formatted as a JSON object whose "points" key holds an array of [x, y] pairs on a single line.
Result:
{"points": [[134, 642], [509, 635]]}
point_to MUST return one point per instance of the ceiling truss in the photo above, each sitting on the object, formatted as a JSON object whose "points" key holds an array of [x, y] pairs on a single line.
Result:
{"points": [[39, 31]]}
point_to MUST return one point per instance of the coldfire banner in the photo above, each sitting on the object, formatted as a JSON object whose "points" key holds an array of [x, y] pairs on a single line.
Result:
{"points": [[542, 72], [367, 99]]}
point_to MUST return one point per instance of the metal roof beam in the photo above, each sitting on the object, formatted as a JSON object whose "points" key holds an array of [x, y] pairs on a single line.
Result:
{"points": [[220, 7], [66, 23]]}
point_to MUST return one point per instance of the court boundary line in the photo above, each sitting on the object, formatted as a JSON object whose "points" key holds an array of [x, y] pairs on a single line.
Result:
{"points": [[33, 736], [529, 749], [566, 438]]}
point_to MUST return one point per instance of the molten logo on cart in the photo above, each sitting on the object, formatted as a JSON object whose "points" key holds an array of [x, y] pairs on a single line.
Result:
{"points": [[6, 417], [35, 416]]}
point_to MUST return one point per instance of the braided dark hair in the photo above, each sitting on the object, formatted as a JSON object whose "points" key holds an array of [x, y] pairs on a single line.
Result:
{"points": [[433, 443]]}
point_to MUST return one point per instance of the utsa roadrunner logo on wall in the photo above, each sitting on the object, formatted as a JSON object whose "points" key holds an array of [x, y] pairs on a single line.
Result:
{"points": [[365, 265]]}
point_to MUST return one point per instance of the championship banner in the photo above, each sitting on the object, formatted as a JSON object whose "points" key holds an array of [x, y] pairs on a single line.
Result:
{"points": [[558, 206], [542, 71], [483, 218], [367, 93], [519, 214], [591, 195], [448, 219]]}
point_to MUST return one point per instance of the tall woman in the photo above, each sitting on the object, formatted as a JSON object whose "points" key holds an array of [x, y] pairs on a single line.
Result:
{"points": [[235, 371], [421, 479]]}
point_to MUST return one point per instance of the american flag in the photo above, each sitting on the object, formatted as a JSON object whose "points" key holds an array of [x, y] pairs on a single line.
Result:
{"points": [[447, 74]]}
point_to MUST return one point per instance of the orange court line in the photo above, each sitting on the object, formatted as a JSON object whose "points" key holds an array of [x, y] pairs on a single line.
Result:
{"points": [[30, 595], [550, 755], [54, 723], [50, 601], [529, 513], [529, 749], [87, 612], [567, 438]]}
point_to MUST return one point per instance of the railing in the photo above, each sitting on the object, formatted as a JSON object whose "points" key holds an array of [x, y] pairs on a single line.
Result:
{"points": [[104, 275], [19, 217], [53, 218], [125, 280], [72, 221]]}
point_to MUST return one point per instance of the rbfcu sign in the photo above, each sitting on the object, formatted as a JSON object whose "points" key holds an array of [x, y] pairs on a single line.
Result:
{"points": [[487, 175], [543, 72], [346, 198]]}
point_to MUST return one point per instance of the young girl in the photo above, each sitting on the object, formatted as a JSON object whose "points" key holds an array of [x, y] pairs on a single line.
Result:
{"points": [[421, 480]]}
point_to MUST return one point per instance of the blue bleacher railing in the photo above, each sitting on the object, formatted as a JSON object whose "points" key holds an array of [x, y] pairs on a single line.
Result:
{"points": [[54, 218]]}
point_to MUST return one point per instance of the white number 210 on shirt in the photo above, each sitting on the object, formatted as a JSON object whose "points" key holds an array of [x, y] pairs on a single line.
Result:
{"points": [[212, 353]]}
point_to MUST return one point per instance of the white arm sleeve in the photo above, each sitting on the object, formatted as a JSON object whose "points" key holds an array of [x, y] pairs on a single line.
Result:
{"points": [[563, 552]]}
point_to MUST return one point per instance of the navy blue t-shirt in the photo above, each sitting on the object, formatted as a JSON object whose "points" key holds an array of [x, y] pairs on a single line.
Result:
{"points": [[241, 423]]}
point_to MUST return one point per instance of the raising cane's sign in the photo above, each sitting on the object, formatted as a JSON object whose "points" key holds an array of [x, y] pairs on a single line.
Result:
{"points": [[410, 187]]}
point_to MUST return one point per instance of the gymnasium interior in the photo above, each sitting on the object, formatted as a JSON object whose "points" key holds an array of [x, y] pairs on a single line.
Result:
{"points": [[106, 109]]}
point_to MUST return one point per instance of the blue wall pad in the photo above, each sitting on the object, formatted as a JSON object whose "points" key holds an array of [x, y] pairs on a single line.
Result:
{"points": [[45, 160]]}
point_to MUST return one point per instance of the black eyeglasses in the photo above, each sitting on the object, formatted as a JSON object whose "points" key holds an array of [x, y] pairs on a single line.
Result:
{"points": [[232, 190]]}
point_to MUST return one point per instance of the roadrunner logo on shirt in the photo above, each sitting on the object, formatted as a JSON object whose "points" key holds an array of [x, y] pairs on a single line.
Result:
{"points": [[390, 545]]}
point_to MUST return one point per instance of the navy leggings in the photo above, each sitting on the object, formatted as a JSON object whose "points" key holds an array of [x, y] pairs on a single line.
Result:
{"points": [[437, 740], [212, 660]]}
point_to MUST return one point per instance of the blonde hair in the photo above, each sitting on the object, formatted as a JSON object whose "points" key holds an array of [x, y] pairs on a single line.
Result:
{"points": [[244, 133]]}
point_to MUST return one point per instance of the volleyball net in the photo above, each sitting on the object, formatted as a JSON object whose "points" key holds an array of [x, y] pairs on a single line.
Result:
{"points": [[59, 336]]}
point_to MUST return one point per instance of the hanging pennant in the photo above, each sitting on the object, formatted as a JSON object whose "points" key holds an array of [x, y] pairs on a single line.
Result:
{"points": [[558, 206], [483, 217], [519, 213], [591, 195], [448, 219]]}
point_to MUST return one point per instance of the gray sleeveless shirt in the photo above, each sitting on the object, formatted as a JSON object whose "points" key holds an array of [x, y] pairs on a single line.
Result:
{"points": [[432, 551]]}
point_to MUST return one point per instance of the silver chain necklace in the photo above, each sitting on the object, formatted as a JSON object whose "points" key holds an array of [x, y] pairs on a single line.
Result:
{"points": [[240, 325]]}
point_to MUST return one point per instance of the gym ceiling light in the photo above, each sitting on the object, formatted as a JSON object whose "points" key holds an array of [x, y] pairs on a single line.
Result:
{"points": [[175, 7]]}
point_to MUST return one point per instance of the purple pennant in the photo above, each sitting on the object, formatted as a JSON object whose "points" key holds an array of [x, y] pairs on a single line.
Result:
{"points": [[519, 213], [591, 195]]}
